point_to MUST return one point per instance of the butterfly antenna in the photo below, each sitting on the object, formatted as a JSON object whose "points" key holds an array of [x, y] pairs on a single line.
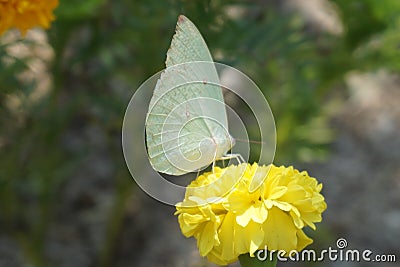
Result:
{"points": [[251, 141], [241, 159]]}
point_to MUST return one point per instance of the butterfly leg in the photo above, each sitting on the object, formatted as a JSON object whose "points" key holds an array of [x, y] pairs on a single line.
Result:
{"points": [[238, 158], [213, 165]]}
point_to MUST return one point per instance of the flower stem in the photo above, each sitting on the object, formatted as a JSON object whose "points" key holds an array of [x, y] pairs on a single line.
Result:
{"points": [[247, 261]]}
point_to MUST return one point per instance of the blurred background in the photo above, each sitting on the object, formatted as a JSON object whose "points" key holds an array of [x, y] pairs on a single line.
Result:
{"points": [[329, 69]]}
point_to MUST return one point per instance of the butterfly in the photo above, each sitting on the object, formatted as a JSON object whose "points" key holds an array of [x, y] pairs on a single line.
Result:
{"points": [[186, 123]]}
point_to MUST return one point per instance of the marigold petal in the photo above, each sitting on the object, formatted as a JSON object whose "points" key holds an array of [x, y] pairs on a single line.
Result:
{"points": [[244, 218], [282, 205], [277, 192], [268, 203], [297, 219], [206, 240], [263, 212], [248, 239], [302, 240], [237, 202], [256, 237], [226, 236], [293, 194], [310, 217], [280, 232]]}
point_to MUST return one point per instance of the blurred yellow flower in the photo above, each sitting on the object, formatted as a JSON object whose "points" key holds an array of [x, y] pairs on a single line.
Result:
{"points": [[26, 14], [229, 217]]}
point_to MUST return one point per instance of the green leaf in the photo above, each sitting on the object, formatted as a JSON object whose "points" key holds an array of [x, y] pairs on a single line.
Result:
{"points": [[247, 261], [75, 9]]}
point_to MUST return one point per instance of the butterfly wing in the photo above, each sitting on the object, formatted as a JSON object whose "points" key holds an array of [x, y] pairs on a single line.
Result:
{"points": [[186, 125]]}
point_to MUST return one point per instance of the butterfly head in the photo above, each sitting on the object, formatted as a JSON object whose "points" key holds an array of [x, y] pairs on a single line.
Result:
{"points": [[223, 145]]}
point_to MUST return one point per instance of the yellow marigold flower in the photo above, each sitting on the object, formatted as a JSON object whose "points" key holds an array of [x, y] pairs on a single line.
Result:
{"points": [[26, 14], [228, 219]]}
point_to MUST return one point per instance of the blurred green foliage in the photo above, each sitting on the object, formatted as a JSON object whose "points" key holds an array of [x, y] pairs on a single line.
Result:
{"points": [[103, 50]]}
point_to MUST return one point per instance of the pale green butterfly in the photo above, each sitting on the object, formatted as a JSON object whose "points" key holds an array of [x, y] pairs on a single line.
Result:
{"points": [[186, 125]]}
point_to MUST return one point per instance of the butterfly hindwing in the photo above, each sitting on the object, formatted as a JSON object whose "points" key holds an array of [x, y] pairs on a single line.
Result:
{"points": [[187, 111]]}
